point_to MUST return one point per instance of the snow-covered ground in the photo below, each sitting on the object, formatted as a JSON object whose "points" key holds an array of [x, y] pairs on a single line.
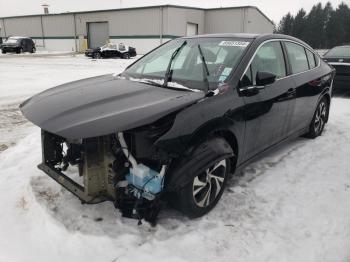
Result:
{"points": [[293, 205]]}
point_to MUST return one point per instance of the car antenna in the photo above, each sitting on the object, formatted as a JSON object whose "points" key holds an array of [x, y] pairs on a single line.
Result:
{"points": [[168, 71], [205, 68]]}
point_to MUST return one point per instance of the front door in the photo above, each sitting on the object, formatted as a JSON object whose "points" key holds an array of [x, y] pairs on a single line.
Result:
{"points": [[268, 109]]}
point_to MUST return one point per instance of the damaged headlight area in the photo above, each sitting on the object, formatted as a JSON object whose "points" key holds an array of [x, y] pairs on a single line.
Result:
{"points": [[125, 168]]}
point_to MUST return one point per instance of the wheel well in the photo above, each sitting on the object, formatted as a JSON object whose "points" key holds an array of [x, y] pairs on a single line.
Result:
{"points": [[328, 99], [231, 139]]}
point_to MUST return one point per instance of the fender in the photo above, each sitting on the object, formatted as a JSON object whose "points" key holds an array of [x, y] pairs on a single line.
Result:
{"points": [[188, 166]]}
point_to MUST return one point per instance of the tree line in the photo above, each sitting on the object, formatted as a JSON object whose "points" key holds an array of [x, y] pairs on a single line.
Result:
{"points": [[322, 28]]}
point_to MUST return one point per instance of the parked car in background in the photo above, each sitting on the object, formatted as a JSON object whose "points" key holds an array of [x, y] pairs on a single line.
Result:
{"points": [[177, 122], [112, 50], [18, 44], [339, 58]]}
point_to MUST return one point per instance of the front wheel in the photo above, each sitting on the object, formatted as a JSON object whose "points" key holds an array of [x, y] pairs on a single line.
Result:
{"points": [[206, 184], [19, 50], [33, 50], [319, 120], [3, 51], [97, 55]]}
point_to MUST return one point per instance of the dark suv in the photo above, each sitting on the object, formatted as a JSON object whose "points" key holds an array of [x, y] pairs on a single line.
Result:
{"points": [[18, 44]]}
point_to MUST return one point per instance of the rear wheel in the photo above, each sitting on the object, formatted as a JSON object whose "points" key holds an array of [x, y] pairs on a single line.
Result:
{"points": [[33, 50], [206, 185], [3, 51], [126, 56], [19, 50], [319, 120]]}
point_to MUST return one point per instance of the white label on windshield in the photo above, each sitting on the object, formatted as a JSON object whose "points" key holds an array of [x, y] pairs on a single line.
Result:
{"points": [[234, 43]]}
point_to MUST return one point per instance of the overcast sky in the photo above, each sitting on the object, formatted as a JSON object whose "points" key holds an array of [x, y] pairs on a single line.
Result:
{"points": [[274, 9]]}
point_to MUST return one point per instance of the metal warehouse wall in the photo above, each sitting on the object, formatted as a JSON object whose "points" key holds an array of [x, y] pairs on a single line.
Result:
{"points": [[179, 17], [257, 22], [237, 20], [143, 28], [139, 28]]}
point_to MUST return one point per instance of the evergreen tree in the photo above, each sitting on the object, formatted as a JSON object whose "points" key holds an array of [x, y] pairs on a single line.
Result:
{"points": [[299, 25], [322, 27], [286, 25]]}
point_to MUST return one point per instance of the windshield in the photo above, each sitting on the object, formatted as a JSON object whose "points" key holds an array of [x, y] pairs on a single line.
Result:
{"points": [[187, 65], [341, 51], [12, 40]]}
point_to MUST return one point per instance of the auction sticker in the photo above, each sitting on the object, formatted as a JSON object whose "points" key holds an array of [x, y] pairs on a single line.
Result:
{"points": [[234, 43]]}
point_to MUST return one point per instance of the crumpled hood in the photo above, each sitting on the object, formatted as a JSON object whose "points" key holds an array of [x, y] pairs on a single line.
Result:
{"points": [[102, 105]]}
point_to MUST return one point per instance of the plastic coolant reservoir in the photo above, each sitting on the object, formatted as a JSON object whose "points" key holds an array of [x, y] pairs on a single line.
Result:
{"points": [[142, 177]]}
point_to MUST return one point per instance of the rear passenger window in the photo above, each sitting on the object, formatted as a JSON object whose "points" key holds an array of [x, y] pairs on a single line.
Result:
{"points": [[269, 58], [297, 57], [311, 58]]}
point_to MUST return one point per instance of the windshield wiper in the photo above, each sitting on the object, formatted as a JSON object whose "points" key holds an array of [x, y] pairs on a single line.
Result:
{"points": [[205, 68], [168, 73]]}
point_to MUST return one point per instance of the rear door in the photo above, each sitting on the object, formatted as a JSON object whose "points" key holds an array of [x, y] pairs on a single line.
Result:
{"points": [[303, 65], [268, 111]]}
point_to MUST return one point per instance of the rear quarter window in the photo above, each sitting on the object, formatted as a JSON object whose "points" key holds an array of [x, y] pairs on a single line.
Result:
{"points": [[311, 58]]}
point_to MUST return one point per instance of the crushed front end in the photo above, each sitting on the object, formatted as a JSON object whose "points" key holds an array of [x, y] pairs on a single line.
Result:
{"points": [[125, 168]]}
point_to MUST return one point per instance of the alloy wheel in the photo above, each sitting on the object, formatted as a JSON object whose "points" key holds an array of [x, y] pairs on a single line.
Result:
{"points": [[320, 117], [208, 184]]}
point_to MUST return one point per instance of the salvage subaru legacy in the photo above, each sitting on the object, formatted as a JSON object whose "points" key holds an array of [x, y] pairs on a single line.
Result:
{"points": [[176, 123]]}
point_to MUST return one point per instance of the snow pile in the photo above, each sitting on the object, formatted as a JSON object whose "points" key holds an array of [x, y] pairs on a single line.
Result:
{"points": [[292, 205]]}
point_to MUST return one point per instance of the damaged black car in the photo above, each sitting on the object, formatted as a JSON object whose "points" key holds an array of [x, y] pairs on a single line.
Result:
{"points": [[111, 50], [177, 123]]}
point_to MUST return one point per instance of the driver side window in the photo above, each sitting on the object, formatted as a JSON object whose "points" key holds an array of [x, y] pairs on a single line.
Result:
{"points": [[270, 59]]}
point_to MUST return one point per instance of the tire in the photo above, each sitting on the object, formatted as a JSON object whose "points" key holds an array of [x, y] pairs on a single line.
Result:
{"points": [[33, 50], [19, 50], [319, 119], [126, 56], [3, 51], [205, 187], [97, 56]]}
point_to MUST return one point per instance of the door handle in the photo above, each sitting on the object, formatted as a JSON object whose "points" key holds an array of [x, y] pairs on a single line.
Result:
{"points": [[251, 88]]}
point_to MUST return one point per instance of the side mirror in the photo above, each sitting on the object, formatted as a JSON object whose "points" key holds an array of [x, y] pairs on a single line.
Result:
{"points": [[265, 78]]}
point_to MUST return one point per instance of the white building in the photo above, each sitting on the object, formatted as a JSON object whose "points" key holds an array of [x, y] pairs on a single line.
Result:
{"points": [[141, 27]]}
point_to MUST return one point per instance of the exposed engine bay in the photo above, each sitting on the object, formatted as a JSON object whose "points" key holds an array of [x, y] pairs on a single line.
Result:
{"points": [[124, 168]]}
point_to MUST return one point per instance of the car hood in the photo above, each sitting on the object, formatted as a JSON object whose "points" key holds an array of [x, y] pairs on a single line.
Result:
{"points": [[102, 105]]}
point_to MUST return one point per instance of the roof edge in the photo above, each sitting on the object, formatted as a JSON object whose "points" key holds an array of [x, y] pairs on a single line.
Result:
{"points": [[142, 7]]}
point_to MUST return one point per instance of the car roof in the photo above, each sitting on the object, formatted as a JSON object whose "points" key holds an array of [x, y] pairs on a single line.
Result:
{"points": [[262, 37], [228, 35]]}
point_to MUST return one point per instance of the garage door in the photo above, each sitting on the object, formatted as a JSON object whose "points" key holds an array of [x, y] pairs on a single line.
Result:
{"points": [[192, 29], [97, 34]]}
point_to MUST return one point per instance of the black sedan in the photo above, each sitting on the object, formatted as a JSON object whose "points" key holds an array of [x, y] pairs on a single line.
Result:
{"points": [[339, 58], [112, 50], [176, 123], [18, 44]]}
